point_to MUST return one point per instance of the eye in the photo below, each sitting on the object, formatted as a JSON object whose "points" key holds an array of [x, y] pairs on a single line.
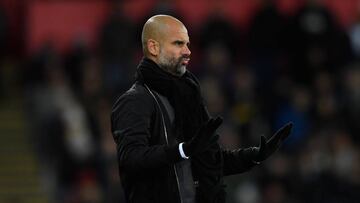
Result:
{"points": [[179, 43]]}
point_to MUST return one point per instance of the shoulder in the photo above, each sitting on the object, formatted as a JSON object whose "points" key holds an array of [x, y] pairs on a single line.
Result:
{"points": [[136, 98], [133, 110], [137, 90]]}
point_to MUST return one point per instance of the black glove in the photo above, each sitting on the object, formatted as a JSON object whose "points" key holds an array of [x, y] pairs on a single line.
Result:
{"points": [[268, 147], [204, 138]]}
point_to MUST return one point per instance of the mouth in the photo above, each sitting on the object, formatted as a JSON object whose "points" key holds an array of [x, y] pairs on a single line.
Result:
{"points": [[185, 61]]}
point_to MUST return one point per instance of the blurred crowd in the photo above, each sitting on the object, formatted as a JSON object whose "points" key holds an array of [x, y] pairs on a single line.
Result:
{"points": [[303, 68]]}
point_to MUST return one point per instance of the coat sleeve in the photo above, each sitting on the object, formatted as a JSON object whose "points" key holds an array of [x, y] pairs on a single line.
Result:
{"points": [[238, 161], [130, 120]]}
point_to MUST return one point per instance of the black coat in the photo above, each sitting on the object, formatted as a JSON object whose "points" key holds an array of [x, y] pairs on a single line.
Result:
{"points": [[146, 162]]}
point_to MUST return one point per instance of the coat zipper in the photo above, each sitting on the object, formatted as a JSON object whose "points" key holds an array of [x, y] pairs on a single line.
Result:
{"points": [[176, 175], [166, 138]]}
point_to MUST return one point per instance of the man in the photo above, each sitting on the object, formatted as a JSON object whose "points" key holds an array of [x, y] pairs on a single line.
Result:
{"points": [[166, 140]]}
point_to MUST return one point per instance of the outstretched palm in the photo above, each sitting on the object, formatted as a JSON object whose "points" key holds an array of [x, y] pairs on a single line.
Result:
{"points": [[268, 147]]}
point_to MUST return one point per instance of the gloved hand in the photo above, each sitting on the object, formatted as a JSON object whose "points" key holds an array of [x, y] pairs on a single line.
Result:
{"points": [[268, 147], [204, 138]]}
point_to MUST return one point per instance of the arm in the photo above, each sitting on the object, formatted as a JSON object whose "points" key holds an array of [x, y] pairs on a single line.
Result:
{"points": [[131, 119], [239, 160], [242, 160], [131, 126]]}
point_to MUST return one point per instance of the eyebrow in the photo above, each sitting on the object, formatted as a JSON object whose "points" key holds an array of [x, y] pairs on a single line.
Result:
{"points": [[181, 42]]}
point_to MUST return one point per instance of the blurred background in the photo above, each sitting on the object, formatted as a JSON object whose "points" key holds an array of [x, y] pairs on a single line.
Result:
{"points": [[261, 63]]}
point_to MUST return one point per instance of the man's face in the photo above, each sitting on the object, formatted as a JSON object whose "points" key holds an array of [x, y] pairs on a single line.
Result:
{"points": [[174, 53]]}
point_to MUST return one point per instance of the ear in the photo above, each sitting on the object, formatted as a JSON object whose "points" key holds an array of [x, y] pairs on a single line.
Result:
{"points": [[153, 47]]}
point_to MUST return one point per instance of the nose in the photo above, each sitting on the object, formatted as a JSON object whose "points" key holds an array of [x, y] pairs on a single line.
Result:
{"points": [[186, 51]]}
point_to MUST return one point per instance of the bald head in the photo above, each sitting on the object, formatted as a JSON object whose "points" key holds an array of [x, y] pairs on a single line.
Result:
{"points": [[157, 28], [165, 41]]}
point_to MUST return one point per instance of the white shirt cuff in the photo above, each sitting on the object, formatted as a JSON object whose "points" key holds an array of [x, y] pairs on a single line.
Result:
{"points": [[182, 151]]}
